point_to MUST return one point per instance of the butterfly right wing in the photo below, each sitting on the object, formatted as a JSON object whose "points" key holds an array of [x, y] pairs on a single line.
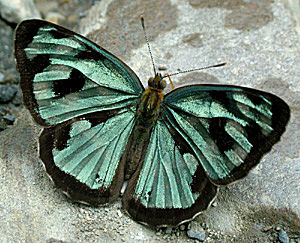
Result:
{"points": [[83, 156]]}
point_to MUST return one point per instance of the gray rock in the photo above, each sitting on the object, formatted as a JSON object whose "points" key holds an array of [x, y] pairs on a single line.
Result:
{"points": [[7, 62], [182, 227], [262, 54], [9, 119], [7, 93], [283, 236], [196, 232], [55, 17], [1, 77], [15, 11], [3, 124], [17, 99], [168, 230]]}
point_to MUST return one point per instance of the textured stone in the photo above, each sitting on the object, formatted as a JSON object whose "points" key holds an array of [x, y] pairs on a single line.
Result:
{"points": [[7, 93], [283, 237], [196, 232], [1, 77], [263, 54], [15, 11]]}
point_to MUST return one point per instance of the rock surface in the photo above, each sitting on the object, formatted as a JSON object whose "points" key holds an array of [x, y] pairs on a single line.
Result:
{"points": [[15, 11], [260, 42]]}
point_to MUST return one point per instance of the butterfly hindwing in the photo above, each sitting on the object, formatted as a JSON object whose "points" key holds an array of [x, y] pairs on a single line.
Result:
{"points": [[170, 186], [229, 128], [83, 156], [64, 75]]}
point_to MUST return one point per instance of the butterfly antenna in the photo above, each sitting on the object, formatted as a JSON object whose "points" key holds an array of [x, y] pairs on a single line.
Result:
{"points": [[197, 69], [148, 44]]}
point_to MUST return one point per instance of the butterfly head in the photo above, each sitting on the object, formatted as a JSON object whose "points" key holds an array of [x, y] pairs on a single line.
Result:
{"points": [[157, 83]]}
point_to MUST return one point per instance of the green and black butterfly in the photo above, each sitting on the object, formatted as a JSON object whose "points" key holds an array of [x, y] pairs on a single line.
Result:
{"points": [[102, 127]]}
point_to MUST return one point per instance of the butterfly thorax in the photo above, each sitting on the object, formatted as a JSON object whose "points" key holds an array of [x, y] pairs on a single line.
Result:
{"points": [[146, 116], [150, 102]]}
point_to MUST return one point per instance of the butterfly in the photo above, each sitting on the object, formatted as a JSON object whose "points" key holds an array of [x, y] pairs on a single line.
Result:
{"points": [[102, 127]]}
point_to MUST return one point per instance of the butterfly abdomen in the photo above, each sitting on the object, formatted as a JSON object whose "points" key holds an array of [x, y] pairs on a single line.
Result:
{"points": [[147, 114]]}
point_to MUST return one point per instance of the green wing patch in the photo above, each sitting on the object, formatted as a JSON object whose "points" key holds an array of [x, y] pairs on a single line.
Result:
{"points": [[83, 157], [229, 128], [64, 75], [170, 186]]}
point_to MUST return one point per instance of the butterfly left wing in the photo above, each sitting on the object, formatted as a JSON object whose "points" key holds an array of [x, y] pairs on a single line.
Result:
{"points": [[229, 128], [83, 156], [86, 99], [170, 186], [64, 75]]}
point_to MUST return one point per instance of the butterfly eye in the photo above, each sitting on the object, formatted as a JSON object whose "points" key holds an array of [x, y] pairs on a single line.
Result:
{"points": [[150, 82], [162, 84]]}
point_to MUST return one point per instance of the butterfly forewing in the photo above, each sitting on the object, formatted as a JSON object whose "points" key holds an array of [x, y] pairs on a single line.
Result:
{"points": [[229, 128], [64, 75]]}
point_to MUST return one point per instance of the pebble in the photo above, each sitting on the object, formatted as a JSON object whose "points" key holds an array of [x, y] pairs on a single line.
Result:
{"points": [[7, 93], [3, 124], [168, 230], [283, 237], [182, 227], [267, 228], [17, 99], [119, 214], [196, 232], [214, 204], [9, 119], [3, 111], [162, 68], [1, 77]]}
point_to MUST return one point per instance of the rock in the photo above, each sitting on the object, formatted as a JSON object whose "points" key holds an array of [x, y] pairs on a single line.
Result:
{"points": [[55, 17], [283, 236], [32, 204], [52, 240], [214, 204], [15, 11], [3, 124], [168, 230], [1, 77], [45, 7], [162, 68], [266, 229], [9, 119], [17, 99], [182, 227], [193, 39], [7, 62], [196, 232], [7, 93]]}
